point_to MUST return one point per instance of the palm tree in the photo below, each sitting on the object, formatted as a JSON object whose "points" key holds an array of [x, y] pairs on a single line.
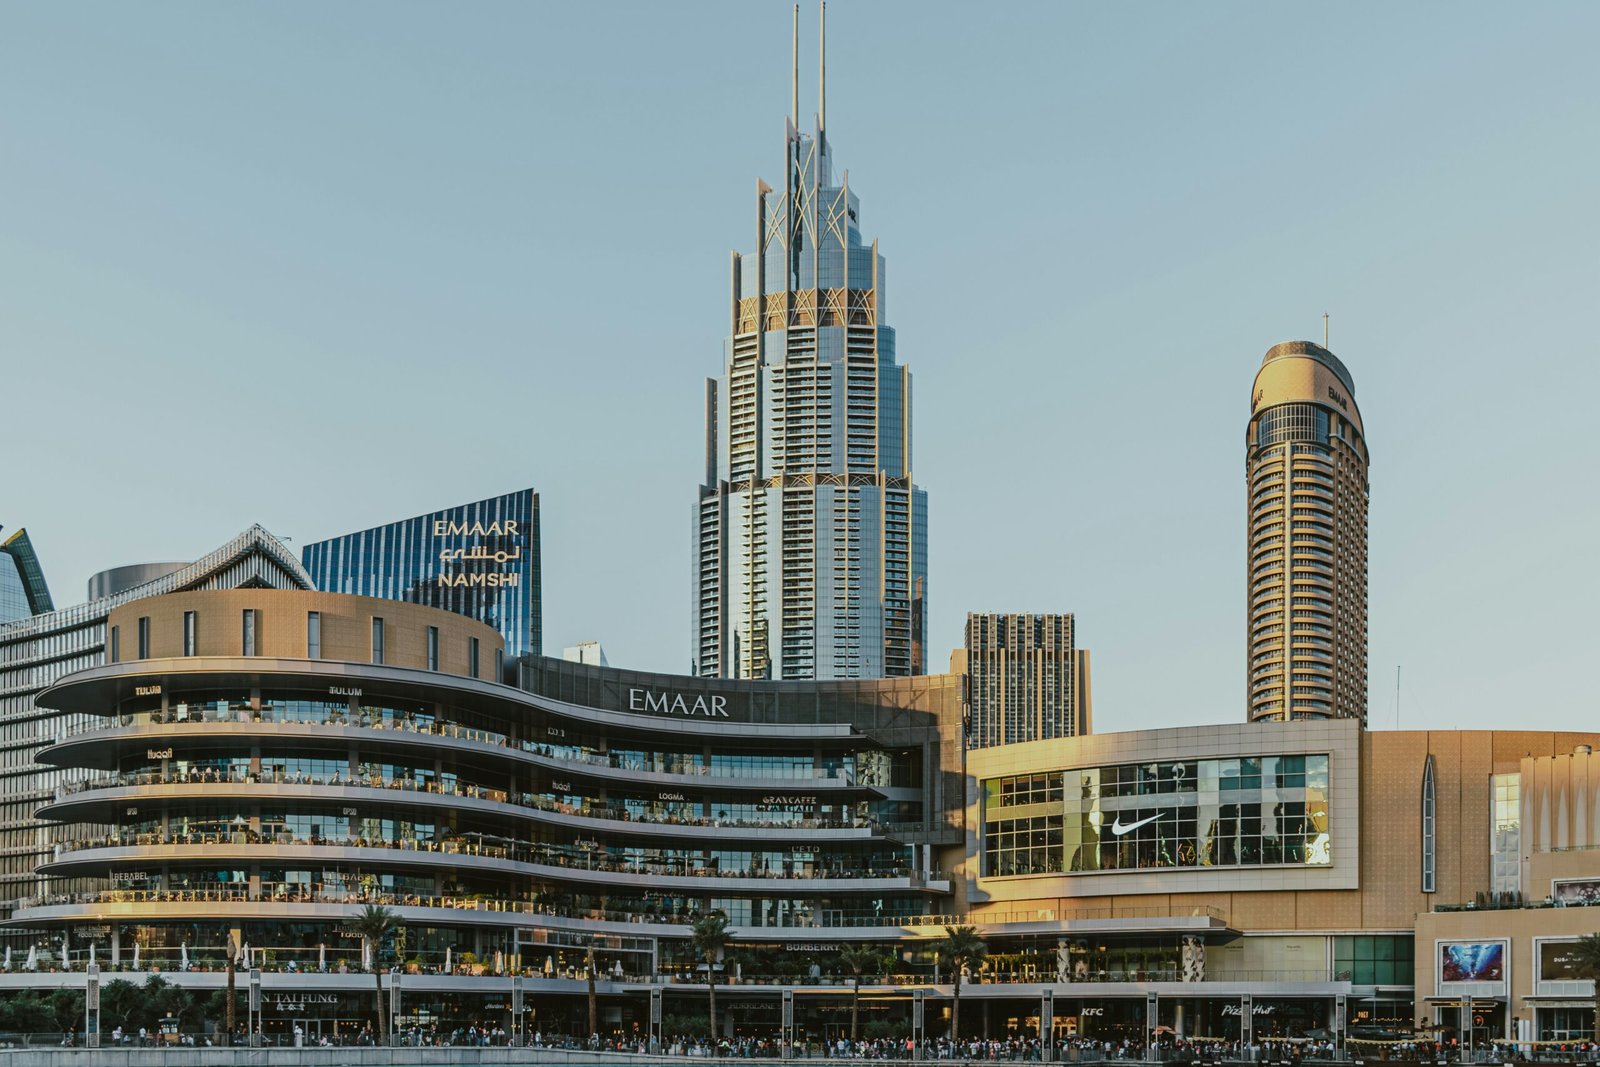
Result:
{"points": [[594, 1006], [958, 950], [233, 968], [373, 925], [710, 937], [1586, 961], [860, 960]]}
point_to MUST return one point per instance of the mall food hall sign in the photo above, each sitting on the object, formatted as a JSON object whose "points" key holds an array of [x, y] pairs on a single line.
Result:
{"points": [[477, 564]]}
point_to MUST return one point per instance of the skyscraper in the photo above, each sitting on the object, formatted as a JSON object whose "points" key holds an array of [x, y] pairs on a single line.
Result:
{"points": [[480, 560], [1026, 679], [810, 549], [1306, 504], [23, 591]]}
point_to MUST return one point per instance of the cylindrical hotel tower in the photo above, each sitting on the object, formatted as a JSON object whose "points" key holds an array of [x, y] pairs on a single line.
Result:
{"points": [[1306, 477]]}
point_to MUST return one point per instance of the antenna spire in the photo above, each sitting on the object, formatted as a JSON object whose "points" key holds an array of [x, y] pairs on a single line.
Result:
{"points": [[822, 72], [794, 92], [1324, 329]]}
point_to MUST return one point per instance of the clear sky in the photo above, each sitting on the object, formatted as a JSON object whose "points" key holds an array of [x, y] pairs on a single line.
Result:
{"points": [[321, 266]]}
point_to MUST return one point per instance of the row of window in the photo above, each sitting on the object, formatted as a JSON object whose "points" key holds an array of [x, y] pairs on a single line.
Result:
{"points": [[250, 626]]}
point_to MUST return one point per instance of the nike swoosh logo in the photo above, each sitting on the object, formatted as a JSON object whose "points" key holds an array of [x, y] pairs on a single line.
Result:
{"points": [[1119, 829]]}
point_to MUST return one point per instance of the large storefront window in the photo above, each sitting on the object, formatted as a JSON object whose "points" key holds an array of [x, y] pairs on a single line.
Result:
{"points": [[1565, 1024], [1380, 959], [1505, 846], [1250, 811]]}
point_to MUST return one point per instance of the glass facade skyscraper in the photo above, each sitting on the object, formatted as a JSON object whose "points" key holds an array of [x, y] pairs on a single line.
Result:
{"points": [[480, 560], [810, 542], [23, 591]]}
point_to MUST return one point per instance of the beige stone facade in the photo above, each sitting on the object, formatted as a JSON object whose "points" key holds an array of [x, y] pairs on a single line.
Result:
{"points": [[1385, 880], [282, 629]]}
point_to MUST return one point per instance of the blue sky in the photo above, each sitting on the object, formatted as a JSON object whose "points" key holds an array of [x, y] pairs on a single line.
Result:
{"points": [[322, 266]]}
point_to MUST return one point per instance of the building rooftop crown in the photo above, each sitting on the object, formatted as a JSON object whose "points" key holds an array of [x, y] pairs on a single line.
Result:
{"points": [[1307, 348]]}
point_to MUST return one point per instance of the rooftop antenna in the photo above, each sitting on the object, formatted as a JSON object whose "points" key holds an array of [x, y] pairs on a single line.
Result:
{"points": [[1397, 696], [822, 72], [1324, 329], [794, 92]]}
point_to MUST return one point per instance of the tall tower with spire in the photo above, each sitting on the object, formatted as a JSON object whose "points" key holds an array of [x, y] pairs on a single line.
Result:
{"points": [[810, 551]]}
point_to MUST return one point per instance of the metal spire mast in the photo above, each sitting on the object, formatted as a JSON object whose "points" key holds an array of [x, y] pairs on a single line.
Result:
{"points": [[822, 72], [794, 93]]}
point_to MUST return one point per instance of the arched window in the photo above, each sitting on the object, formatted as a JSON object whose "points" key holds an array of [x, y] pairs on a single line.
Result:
{"points": [[1429, 844]]}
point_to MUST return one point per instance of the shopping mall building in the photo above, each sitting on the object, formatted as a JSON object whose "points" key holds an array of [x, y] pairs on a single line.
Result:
{"points": [[259, 763]]}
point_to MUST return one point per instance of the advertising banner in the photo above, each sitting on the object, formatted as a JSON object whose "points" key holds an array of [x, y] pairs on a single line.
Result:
{"points": [[1558, 962], [1578, 891], [1472, 961]]}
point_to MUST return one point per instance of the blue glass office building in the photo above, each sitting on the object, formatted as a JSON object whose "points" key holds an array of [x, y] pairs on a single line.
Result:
{"points": [[23, 591], [480, 560]]}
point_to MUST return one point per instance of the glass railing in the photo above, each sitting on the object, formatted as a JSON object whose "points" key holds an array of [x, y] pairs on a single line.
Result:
{"points": [[686, 764], [535, 801], [475, 902], [568, 857]]}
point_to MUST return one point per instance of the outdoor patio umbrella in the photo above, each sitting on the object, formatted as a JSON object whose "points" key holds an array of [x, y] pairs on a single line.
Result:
{"points": [[91, 951], [33, 958], [549, 966], [8, 957], [449, 958], [135, 954], [183, 956], [322, 956]]}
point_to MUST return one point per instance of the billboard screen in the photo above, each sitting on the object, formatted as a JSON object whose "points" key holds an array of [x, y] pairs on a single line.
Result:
{"points": [[1558, 962], [1472, 961], [1576, 891]]}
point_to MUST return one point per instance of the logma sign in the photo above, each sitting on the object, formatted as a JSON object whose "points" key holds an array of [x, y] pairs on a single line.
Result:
{"points": [[709, 707]]}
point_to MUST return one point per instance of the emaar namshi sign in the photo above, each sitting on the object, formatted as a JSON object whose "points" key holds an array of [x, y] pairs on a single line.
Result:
{"points": [[479, 554]]}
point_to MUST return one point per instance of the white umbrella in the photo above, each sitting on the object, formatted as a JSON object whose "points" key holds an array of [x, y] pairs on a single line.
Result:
{"points": [[246, 954], [549, 966], [617, 969], [135, 954], [499, 961], [366, 955], [322, 956], [33, 958], [449, 959], [8, 957], [183, 961], [66, 955], [91, 951]]}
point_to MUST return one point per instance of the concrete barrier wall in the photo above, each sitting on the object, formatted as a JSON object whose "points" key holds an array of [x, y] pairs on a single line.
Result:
{"points": [[47, 1056]]}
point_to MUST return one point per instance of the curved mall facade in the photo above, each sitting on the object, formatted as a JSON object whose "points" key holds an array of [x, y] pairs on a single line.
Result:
{"points": [[258, 764]]}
